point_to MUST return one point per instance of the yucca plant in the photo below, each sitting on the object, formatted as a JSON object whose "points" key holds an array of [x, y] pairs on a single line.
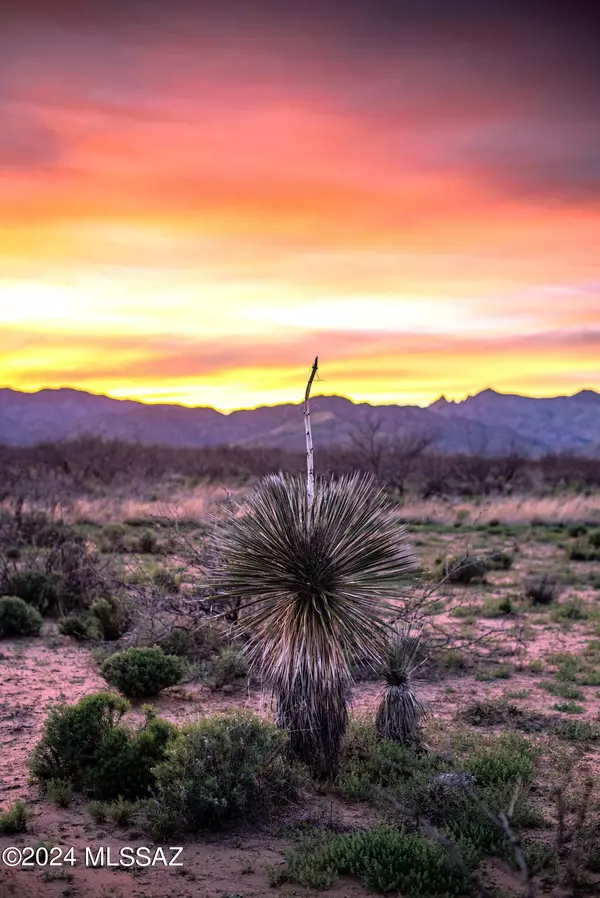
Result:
{"points": [[400, 711], [315, 570]]}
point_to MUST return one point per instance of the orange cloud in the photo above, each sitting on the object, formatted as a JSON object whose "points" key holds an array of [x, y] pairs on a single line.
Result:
{"points": [[193, 208]]}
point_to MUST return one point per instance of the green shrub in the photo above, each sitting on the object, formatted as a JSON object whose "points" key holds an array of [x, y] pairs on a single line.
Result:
{"points": [[385, 859], [121, 812], [577, 730], [166, 580], [499, 607], [576, 530], [17, 618], [123, 767], [583, 550], [86, 746], [97, 810], [227, 666], [569, 708], [197, 644], [589, 677], [147, 543], [60, 580], [569, 611], [563, 690], [72, 735], [143, 672], [178, 642], [81, 627], [113, 538], [60, 792], [222, 769], [112, 616], [594, 538], [14, 819], [38, 588], [463, 570], [501, 561], [498, 672]]}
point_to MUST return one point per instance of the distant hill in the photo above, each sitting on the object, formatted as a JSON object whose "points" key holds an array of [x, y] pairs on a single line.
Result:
{"points": [[489, 423]]}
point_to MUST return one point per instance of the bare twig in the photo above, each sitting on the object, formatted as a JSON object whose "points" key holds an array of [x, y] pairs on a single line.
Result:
{"points": [[310, 472]]}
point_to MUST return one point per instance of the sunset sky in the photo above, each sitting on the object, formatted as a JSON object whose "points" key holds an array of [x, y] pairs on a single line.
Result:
{"points": [[197, 198]]}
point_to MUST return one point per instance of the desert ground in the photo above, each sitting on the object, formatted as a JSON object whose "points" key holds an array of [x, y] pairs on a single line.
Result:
{"points": [[516, 649]]}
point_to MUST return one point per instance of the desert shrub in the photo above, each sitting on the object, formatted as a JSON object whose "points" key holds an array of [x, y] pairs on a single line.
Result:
{"points": [[113, 538], [86, 746], [72, 735], [112, 616], [14, 819], [147, 543], [583, 550], [594, 538], [59, 792], [199, 643], [499, 607], [166, 581], [17, 618], [124, 764], [97, 810], [81, 627], [501, 561], [106, 619], [569, 708], [222, 769], [563, 690], [386, 859], [589, 677], [576, 530], [542, 590], [569, 611], [143, 672], [121, 811], [227, 666], [462, 570], [495, 672], [58, 580], [178, 641], [577, 730], [40, 589], [490, 713]]}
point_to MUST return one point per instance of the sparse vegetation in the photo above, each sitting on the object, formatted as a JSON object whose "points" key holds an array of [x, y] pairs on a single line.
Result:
{"points": [[525, 608]]}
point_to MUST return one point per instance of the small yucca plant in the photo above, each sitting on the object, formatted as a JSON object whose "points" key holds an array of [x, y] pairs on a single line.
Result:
{"points": [[400, 711], [314, 579]]}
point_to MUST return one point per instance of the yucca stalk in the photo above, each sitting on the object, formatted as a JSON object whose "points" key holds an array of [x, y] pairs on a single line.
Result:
{"points": [[315, 591], [400, 711]]}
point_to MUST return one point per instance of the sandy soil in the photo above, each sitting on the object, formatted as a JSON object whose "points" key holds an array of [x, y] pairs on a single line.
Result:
{"points": [[36, 674]]}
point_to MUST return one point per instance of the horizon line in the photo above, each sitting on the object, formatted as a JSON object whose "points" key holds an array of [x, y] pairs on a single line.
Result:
{"points": [[227, 412]]}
